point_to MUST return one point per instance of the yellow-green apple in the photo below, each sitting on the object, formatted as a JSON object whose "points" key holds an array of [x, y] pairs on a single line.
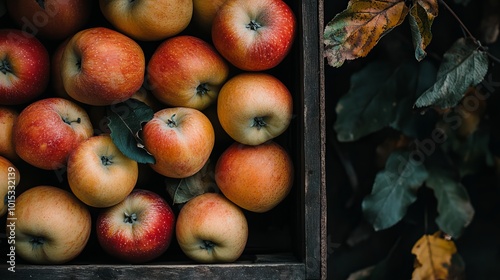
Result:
{"points": [[254, 35], [99, 174], [148, 20], [52, 226], [186, 71], [256, 178], [48, 130], [254, 107], [180, 139], [8, 117], [204, 13], [138, 229], [9, 179], [211, 229], [101, 66], [24, 67], [52, 19]]}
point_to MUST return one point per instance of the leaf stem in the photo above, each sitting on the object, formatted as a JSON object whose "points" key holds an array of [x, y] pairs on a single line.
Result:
{"points": [[460, 22]]}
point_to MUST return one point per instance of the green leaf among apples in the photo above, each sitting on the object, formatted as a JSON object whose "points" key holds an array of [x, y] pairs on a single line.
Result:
{"points": [[125, 123]]}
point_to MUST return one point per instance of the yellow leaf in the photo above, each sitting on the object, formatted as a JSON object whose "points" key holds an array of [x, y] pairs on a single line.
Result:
{"points": [[354, 32], [433, 257]]}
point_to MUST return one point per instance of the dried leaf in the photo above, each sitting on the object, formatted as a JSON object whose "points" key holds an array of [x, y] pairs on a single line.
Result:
{"points": [[354, 32], [422, 15], [394, 190], [182, 190], [464, 65], [433, 257]]}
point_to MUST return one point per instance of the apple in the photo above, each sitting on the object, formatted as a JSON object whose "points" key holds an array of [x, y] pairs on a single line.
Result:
{"points": [[186, 71], [51, 225], [138, 229], [254, 107], [9, 179], [24, 67], [148, 20], [99, 174], [211, 229], [254, 35], [56, 81], [180, 139], [48, 130], [8, 116], [256, 178], [204, 13], [101, 66], [52, 19]]}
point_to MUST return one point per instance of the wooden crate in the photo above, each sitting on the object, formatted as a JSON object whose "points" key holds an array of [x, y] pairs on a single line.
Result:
{"points": [[295, 248]]}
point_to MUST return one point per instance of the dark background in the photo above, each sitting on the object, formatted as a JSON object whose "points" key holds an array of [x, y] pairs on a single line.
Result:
{"points": [[353, 245]]}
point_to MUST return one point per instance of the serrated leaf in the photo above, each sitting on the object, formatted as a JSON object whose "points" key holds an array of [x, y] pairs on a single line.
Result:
{"points": [[354, 32], [382, 95], [422, 15], [433, 257], [125, 123], [463, 66], [394, 190], [182, 190]]}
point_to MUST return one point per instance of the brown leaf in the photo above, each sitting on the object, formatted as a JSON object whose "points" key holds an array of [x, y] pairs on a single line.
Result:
{"points": [[354, 32], [433, 257]]}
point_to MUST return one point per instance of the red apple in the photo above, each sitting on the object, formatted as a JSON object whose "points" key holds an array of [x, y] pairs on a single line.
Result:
{"points": [[99, 174], [254, 35], [24, 67], [186, 71], [55, 71], [51, 225], [53, 19], [211, 229], [256, 178], [148, 20], [180, 139], [8, 116], [138, 229], [254, 108], [48, 130], [101, 66]]}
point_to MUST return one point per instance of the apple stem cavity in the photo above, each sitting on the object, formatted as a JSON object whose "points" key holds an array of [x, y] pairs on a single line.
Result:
{"points": [[207, 245], [5, 66], [106, 161], [130, 218], [253, 25], [259, 122], [202, 89], [36, 241]]}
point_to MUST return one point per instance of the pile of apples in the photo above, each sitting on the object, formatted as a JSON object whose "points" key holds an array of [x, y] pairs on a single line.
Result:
{"points": [[208, 56]]}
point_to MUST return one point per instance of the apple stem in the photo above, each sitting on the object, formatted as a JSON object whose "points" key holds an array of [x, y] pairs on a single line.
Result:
{"points": [[259, 122], [130, 218], [171, 122], [253, 25], [202, 89], [207, 245], [66, 120], [5, 66]]}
